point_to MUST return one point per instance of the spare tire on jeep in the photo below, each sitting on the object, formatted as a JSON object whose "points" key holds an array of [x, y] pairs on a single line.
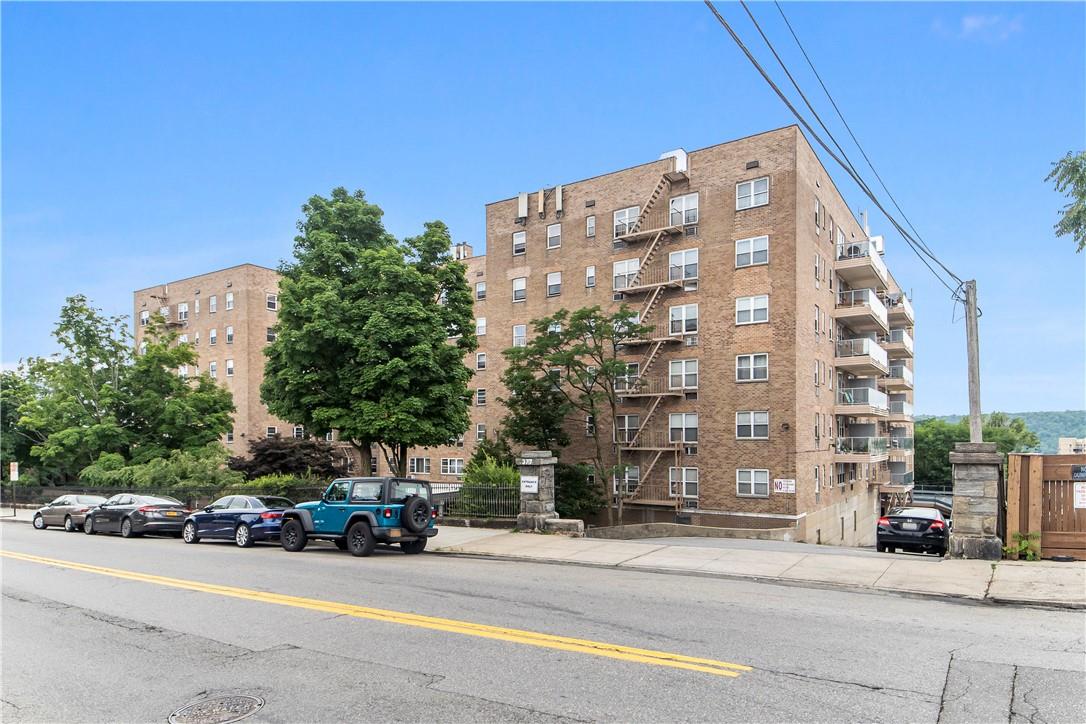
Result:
{"points": [[416, 514]]}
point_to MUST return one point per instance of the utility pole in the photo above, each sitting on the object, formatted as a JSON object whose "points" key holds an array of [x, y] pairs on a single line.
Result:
{"points": [[973, 347]]}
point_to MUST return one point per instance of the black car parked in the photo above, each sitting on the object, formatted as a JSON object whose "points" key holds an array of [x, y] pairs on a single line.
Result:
{"points": [[913, 529], [133, 515]]}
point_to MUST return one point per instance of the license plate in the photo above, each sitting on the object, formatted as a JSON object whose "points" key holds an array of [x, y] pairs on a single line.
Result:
{"points": [[394, 533], [908, 526], [172, 513]]}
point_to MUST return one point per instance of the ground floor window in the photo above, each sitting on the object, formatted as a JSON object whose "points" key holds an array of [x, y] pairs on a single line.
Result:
{"points": [[752, 483]]}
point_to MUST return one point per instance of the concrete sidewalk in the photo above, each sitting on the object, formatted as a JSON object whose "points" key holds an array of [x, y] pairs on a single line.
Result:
{"points": [[1018, 582]]}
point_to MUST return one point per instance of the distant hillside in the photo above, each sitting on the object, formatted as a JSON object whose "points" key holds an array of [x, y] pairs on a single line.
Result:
{"points": [[1048, 426]]}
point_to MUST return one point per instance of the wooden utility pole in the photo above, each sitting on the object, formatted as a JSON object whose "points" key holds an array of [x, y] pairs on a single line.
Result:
{"points": [[973, 347]]}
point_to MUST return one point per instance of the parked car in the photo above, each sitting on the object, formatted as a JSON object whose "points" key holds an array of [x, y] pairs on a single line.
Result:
{"points": [[133, 515], [357, 513], [913, 529], [244, 519], [67, 510]]}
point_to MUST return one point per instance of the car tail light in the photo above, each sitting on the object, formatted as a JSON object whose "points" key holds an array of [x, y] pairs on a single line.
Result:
{"points": [[146, 509], [271, 515], [82, 510], [884, 522], [937, 525], [387, 512], [433, 512]]}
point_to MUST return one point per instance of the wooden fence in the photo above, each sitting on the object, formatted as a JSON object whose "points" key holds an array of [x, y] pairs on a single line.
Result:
{"points": [[1041, 499]]}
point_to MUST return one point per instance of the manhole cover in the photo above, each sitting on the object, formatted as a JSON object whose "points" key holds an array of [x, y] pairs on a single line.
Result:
{"points": [[220, 710]]}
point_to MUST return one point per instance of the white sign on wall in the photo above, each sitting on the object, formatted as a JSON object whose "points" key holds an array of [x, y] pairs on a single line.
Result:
{"points": [[13, 468], [1080, 495], [529, 483], [784, 485]]}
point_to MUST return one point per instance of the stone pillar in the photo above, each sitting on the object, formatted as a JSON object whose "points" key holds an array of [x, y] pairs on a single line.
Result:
{"points": [[976, 501], [536, 489]]}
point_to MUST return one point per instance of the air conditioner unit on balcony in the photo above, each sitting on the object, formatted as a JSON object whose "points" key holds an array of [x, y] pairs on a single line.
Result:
{"points": [[691, 340], [690, 503], [690, 229], [690, 450]]}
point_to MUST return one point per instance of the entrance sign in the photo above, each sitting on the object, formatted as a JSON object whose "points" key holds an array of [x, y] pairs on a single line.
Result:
{"points": [[529, 483]]}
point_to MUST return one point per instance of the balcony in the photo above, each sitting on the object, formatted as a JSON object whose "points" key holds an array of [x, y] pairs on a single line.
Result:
{"points": [[900, 378], [861, 449], [901, 411], [898, 344], [650, 278], [862, 357], [901, 448], [861, 402], [659, 332], [900, 309], [905, 478], [860, 264], [862, 311], [648, 225], [645, 387], [649, 440]]}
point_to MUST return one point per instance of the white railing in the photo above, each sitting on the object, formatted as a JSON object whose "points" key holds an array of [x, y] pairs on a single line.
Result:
{"points": [[900, 336], [863, 250], [863, 298], [903, 302], [902, 478], [860, 347], [863, 445], [864, 397], [901, 372], [901, 407]]}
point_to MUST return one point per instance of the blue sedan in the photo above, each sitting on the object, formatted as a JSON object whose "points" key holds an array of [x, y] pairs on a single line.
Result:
{"points": [[244, 519]]}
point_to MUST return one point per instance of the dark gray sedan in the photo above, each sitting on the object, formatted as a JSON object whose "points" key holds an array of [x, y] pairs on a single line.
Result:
{"points": [[67, 510]]}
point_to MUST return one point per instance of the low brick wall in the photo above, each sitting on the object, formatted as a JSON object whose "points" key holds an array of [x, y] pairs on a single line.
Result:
{"points": [[676, 530]]}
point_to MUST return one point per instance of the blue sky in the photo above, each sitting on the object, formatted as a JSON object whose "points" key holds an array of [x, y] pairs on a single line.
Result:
{"points": [[148, 142]]}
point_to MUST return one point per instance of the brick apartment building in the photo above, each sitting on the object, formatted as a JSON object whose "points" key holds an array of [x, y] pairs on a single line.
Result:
{"points": [[775, 389]]}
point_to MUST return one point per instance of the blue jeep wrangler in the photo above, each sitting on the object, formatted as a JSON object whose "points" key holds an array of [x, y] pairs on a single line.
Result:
{"points": [[359, 513]]}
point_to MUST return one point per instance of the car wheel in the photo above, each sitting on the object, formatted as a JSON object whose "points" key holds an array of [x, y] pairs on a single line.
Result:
{"points": [[415, 515], [39, 522], [126, 528], [243, 536], [341, 543], [880, 547], [189, 534], [891, 549], [293, 537], [360, 540], [68, 524], [88, 526], [413, 546]]}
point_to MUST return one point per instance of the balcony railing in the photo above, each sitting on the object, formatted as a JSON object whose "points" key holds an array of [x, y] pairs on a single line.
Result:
{"points": [[901, 372], [863, 298], [655, 220], [860, 250], [901, 407], [903, 304], [860, 347], [899, 336], [654, 276], [648, 440], [633, 386], [863, 397], [902, 478], [901, 443], [862, 445], [658, 331]]}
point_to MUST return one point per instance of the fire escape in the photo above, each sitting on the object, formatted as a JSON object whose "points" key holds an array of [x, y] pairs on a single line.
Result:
{"points": [[646, 445]]}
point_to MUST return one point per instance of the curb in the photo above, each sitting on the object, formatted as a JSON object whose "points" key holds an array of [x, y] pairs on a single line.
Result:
{"points": [[791, 582], [12, 519]]}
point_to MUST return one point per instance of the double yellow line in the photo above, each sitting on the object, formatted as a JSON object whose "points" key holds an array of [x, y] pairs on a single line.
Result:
{"points": [[512, 635]]}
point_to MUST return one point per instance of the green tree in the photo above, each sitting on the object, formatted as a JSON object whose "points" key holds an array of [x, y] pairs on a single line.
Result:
{"points": [[577, 353], [297, 457], [496, 448], [537, 411], [574, 495], [16, 389], [364, 332], [935, 439], [1069, 176]]}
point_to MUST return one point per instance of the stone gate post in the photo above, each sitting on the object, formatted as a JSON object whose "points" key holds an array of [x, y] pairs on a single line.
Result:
{"points": [[975, 518], [536, 489]]}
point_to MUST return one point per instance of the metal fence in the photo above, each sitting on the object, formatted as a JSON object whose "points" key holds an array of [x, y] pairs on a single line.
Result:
{"points": [[479, 501]]}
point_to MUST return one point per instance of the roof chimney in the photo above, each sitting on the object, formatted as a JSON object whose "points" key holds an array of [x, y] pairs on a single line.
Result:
{"points": [[462, 251]]}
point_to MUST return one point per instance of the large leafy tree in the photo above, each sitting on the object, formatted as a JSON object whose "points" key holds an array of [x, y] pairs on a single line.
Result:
{"points": [[300, 457], [365, 323], [17, 388], [1069, 175], [537, 410], [935, 439]]}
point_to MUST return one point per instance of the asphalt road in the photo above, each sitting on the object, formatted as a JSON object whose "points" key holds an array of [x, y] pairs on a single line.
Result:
{"points": [[121, 644]]}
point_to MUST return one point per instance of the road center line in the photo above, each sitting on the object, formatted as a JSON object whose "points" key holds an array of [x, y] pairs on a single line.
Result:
{"points": [[467, 628]]}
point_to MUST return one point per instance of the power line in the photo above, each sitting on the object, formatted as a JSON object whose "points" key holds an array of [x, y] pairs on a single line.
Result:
{"points": [[844, 164]]}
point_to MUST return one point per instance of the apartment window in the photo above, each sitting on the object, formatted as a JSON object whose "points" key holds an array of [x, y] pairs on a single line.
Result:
{"points": [[229, 301], [749, 194], [183, 371], [299, 432], [480, 432], [629, 480], [683, 374], [196, 338], [196, 306], [818, 429], [212, 304], [624, 272], [817, 317], [213, 370], [143, 348], [229, 368], [272, 431], [165, 312], [590, 276], [626, 427], [520, 335], [520, 242], [183, 339], [752, 310], [480, 325], [684, 209], [818, 271], [818, 483], [230, 436], [554, 284], [452, 466], [554, 328], [683, 264], [752, 425], [625, 219], [590, 227], [270, 334], [684, 319], [182, 311], [329, 436], [818, 213], [520, 289], [752, 483], [683, 427], [480, 360], [589, 425], [418, 466], [212, 336], [554, 236], [752, 251], [752, 367], [272, 302], [480, 290], [229, 335], [145, 316], [480, 396], [683, 482]]}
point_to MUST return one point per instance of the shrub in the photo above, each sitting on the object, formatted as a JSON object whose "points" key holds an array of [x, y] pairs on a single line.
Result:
{"points": [[574, 496]]}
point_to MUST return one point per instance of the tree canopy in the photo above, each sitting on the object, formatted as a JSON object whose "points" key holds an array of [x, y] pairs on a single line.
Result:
{"points": [[935, 439], [1069, 177]]}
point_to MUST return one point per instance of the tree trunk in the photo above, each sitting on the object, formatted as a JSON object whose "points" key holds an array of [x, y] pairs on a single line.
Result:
{"points": [[365, 452], [401, 460]]}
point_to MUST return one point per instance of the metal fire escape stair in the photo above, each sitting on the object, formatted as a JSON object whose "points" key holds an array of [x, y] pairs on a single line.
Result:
{"points": [[661, 185]]}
